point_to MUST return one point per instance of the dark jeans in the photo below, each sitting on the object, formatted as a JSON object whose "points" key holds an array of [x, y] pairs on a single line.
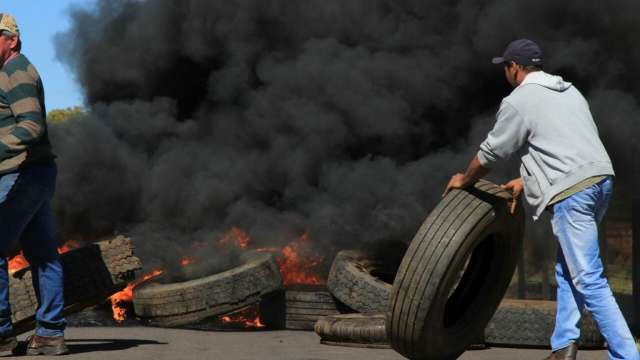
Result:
{"points": [[25, 216]]}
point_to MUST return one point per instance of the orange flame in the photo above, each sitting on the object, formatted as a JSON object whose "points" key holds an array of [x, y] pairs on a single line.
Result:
{"points": [[186, 260], [247, 317], [119, 299], [297, 268], [19, 262], [68, 246], [237, 237]]}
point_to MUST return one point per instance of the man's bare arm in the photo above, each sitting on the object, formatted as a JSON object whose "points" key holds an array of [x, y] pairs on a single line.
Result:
{"points": [[474, 172]]}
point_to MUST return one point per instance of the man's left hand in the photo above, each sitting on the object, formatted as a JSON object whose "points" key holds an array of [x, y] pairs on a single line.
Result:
{"points": [[458, 181]]}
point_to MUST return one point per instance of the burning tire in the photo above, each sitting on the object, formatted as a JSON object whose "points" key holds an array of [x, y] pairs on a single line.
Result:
{"points": [[181, 303], [91, 274], [352, 282], [454, 274], [299, 307], [529, 323], [353, 330]]}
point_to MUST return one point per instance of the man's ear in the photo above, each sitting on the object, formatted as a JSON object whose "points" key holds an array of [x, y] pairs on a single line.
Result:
{"points": [[15, 40]]}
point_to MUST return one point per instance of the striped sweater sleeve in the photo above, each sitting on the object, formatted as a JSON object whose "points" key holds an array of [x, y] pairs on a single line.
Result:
{"points": [[21, 91]]}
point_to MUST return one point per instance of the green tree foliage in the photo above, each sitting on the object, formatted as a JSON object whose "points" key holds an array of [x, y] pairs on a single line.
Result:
{"points": [[61, 115]]}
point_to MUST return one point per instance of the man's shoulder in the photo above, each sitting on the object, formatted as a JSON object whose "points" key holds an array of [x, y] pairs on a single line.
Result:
{"points": [[511, 100], [18, 70], [532, 96], [19, 63], [523, 96]]}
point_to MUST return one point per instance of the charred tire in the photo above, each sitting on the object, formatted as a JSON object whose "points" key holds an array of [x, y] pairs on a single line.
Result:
{"points": [[454, 274], [306, 306], [299, 307], [350, 280], [353, 330], [91, 274], [529, 323], [181, 303]]}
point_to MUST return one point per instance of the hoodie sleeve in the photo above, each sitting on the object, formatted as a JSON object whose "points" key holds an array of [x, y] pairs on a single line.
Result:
{"points": [[508, 135]]}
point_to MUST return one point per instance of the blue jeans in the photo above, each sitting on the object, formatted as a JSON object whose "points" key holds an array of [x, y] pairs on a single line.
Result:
{"points": [[25, 216], [580, 276]]}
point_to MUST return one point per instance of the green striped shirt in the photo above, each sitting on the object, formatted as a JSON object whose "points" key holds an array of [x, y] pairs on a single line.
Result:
{"points": [[23, 126]]}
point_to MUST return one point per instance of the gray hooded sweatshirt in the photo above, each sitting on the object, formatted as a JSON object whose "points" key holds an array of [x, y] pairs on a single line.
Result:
{"points": [[548, 121]]}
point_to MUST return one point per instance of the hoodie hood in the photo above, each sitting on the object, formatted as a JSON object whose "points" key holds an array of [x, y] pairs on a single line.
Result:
{"points": [[549, 81]]}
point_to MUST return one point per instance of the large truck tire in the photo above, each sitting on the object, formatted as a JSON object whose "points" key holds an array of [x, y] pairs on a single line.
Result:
{"points": [[91, 274], [529, 323], [455, 272], [182, 303]]}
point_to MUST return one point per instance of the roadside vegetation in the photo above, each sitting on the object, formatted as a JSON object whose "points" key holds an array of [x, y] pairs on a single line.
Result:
{"points": [[57, 116]]}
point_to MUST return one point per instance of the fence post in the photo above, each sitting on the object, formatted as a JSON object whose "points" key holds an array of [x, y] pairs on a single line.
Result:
{"points": [[635, 245], [635, 262], [522, 277]]}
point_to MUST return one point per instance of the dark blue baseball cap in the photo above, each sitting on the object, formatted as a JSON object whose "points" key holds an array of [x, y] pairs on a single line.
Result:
{"points": [[522, 52]]}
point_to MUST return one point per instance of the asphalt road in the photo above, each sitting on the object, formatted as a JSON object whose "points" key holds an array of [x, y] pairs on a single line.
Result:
{"points": [[142, 343]]}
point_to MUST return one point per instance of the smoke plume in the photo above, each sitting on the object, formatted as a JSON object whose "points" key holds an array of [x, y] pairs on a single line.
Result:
{"points": [[341, 118]]}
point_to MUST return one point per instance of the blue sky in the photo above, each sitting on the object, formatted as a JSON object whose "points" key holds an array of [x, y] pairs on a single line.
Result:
{"points": [[39, 20]]}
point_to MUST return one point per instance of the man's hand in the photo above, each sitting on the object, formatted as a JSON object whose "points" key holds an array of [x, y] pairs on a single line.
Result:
{"points": [[515, 187], [475, 171], [458, 181]]}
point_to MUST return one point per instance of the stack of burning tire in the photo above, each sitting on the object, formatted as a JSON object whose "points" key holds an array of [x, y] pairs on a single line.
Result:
{"points": [[187, 302], [446, 293], [299, 307], [251, 294]]}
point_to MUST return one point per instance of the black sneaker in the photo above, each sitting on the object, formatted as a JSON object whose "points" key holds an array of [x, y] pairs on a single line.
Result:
{"points": [[8, 343], [46, 345]]}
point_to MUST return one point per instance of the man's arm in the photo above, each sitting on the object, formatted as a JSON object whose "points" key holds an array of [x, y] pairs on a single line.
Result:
{"points": [[21, 92], [508, 135], [474, 172]]}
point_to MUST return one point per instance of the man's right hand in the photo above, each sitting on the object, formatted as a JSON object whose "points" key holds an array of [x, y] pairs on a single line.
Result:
{"points": [[515, 187]]}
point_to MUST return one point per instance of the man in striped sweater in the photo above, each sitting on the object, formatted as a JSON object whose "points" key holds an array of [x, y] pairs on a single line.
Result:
{"points": [[27, 183]]}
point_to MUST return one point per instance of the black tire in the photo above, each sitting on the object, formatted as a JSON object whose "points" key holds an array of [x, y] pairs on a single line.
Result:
{"points": [[353, 330], [454, 274], [182, 303], [529, 323], [350, 280], [91, 274], [299, 307]]}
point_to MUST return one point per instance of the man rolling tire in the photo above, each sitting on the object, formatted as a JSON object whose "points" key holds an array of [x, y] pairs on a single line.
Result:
{"points": [[565, 169]]}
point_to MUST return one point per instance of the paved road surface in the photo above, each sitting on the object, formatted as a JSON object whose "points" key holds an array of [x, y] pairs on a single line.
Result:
{"points": [[141, 343]]}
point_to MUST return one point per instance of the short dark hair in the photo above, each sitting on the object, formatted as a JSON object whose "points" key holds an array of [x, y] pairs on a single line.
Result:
{"points": [[532, 68], [528, 68], [8, 35]]}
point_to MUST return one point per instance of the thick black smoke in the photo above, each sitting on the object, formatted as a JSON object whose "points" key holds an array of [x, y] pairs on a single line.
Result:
{"points": [[341, 118]]}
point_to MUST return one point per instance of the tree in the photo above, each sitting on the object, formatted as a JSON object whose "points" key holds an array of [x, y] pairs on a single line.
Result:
{"points": [[62, 115]]}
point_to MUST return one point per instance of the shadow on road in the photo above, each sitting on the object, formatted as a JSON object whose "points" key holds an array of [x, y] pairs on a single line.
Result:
{"points": [[79, 346]]}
